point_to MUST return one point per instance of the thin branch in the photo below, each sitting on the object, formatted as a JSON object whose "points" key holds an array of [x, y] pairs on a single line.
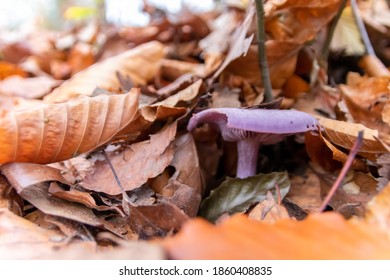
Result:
{"points": [[362, 29], [125, 197], [332, 28], [262, 54], [355, 148]]}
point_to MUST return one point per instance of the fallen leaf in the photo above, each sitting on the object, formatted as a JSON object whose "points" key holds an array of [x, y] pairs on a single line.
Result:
{"points": [[55, 132], [9, 69], [31, 181], [286, 239], [268, 210], [135, 165], [141, 64], [377, 212], [9, 199], [22, 239], [186, 95], [31, 88], [344, 134], [239, 43], [305, 191], [366, 98], [237, 195], [184, 188], [285, 19], [156, 219], [352, 196]]}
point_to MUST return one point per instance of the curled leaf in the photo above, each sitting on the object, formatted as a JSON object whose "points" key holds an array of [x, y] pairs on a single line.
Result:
{"points": [[56, 132], [141, 64]]}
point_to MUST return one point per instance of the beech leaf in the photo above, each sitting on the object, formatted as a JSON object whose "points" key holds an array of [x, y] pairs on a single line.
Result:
{"points": [[56, 132], [237, 195], [287, 239], [140, 63]]}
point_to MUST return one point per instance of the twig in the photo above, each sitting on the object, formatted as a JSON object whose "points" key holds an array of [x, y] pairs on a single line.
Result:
{"points": [[262, 54], [355, 148], [362, 29], [329, 36], [125, 197]]}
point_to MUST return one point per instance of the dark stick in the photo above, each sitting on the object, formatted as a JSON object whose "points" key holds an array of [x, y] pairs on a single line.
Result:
{"points": [[362, 29], [332, 27], [262, 54]]}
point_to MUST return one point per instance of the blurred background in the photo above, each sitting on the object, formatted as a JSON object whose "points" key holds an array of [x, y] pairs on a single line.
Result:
{"points": [[25, 15]]}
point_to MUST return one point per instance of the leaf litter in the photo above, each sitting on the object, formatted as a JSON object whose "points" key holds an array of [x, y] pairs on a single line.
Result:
{"points": [[97, 162]]}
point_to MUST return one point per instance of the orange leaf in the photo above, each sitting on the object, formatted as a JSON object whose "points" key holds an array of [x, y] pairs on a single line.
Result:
{"points": [[320, 236], [8, 69], [140, 63], [56, 132]]}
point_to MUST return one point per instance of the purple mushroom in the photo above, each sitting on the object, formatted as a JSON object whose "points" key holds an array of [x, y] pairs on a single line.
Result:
{"points": [[252, 127]]}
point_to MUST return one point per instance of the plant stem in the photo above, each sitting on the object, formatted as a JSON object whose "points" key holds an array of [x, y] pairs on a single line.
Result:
{"points": [[262, 54], [355, 148], [329, 36], [362, 29], [248, 150]]}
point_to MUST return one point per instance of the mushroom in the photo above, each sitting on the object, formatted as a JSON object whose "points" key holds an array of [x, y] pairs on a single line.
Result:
{"points": [[252, 127]]}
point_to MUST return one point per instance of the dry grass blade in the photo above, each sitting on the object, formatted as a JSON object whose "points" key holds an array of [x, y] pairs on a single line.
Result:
{"points": [[56, 132]]}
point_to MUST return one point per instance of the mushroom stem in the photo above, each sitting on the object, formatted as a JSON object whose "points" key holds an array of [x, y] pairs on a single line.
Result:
{"points": [[247, 157]]}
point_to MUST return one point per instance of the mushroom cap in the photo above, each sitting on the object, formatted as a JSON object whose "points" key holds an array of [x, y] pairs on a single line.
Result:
{"points": [[266, 125]]}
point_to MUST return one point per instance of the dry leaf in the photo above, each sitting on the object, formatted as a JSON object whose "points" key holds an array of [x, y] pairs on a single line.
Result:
{"points": [[239, 42], [186, 95], [241, 238], [55, 132], [22, 239], [31, 88], [378, 210], [31, 183], [344, 134], [184, 187], [135, 165], [268, 211], [305, 191], [8, 69], [140, 64]]}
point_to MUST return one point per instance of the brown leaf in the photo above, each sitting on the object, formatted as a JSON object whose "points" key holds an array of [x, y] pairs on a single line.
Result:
{"points": [[141, 64], [298, 20], [135, 165], [373, 66], [74, 195], [344, 134], [8, 69], [184, 187], [281, 57], [55, 132], [9, 199], [14, 103], [352, 196], [22, 239], [186, 95], [378, 210], [241, 238], [305, 191], [156, 219], [239, 43], [80, 57], [366, 98], [31, 183], [268, 211], [28, 87]]}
